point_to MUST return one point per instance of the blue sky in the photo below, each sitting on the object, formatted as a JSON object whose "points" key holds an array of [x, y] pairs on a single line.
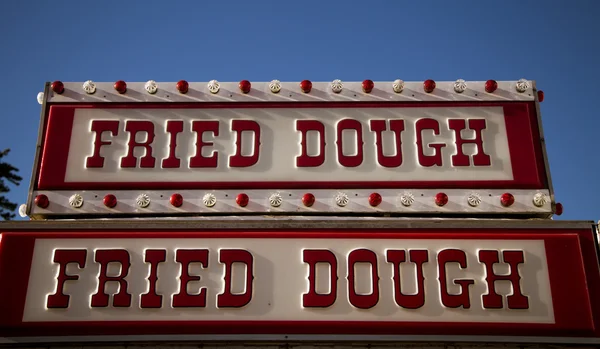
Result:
{"points": [[555, 43]]}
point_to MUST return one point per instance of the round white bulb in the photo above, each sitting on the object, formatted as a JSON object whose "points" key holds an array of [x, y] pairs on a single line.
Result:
{"points": [[341, 199], [23, 210], [209, 200], [76, 201], [213, 86], [337, 86], [143, 200], [474, 200], [275, 86], [89, 87], [275, 200], [398, 85], [540, 199], [151, 86], [522, 85], [40, 98], [407, 199], [460, 86]]}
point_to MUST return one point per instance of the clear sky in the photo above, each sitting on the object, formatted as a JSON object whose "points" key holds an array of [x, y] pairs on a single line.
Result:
{"points": [[556, 43]]}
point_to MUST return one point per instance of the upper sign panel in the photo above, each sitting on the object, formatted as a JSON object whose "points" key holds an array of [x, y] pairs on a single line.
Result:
{"points": [[295, 148]]}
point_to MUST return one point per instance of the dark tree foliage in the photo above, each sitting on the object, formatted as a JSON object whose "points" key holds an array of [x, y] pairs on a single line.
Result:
{"points": [[7, 172]]}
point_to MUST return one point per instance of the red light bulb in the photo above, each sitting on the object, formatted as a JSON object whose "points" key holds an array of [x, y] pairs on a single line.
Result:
{"points": [[41, 201], [429, 86], [559, 209], [110, 201], [58, 87], [306, 86], [245, 86], [242, 200], [367, 86], [121, 86], [308, 199], [507, 199], [176, 200], [491, 86], [540, 96], [182, 86], [374, 199], [441, 199]]}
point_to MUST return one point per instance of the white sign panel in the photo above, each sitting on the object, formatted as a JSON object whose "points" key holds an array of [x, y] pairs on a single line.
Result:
{"points": [[285, 145], [491, 281]]}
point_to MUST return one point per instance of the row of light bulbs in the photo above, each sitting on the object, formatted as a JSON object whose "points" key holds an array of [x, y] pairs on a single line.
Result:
{"points": [[308, 199], [337, 86]]}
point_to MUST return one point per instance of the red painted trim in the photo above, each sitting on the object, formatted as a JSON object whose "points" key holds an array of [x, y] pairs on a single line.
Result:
{"points": [[53, 164], [590, 248], [571, 257], [16, 253], [521, 124], [565, 264], [521, 145]]}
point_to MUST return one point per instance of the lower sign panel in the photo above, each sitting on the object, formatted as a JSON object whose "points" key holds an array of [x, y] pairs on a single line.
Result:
{"points": [[408, 282]]}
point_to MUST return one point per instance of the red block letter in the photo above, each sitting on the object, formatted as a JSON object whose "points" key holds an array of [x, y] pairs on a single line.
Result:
{"points": [[312, 299], [304, 160], [493, 300], [454, 300], [133, 127], [396, 126], [64, 257], [173, 128], [460, 159], [200, 127], [228, 299], [152, 299], [363, 301], [418, 257], [183, 298], [122, 298], [350, 160], [429, 160], [100, 126], [239, 160]]}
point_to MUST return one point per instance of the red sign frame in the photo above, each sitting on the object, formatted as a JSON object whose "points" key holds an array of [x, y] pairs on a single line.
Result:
{"points": [[528, 162], [571, 257]]}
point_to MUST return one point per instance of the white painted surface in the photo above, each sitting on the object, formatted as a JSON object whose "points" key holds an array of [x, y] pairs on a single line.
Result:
{"points": [[281, 279], [280, 144]]}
